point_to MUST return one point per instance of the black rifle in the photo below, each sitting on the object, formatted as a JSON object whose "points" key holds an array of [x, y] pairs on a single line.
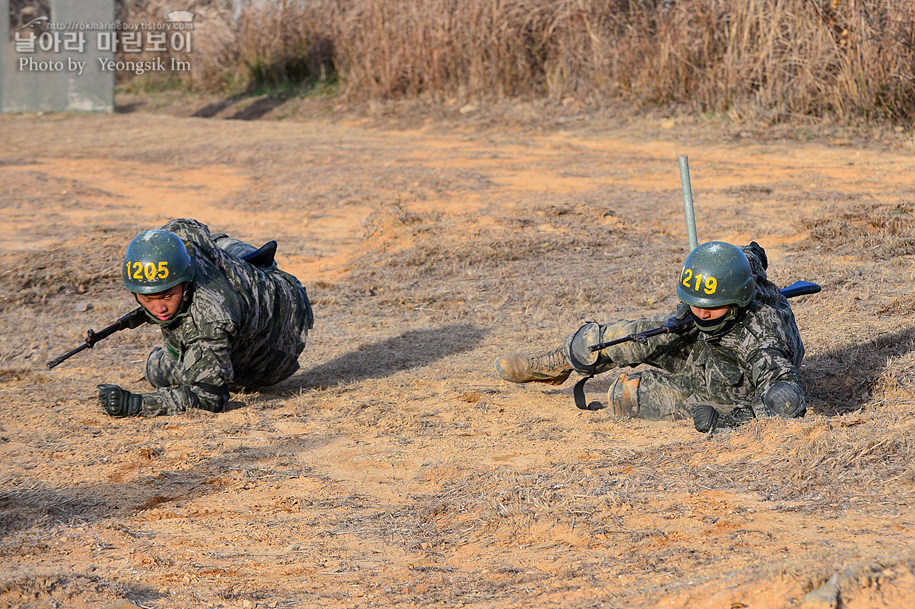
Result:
{"points": [[676, 326], [261, 258], [134, 319]]}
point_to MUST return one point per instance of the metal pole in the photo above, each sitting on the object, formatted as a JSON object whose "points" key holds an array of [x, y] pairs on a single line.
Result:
{"points": [[688, 203]]}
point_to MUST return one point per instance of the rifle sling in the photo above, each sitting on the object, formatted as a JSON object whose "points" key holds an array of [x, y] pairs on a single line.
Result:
{"points": [[579, 394]]}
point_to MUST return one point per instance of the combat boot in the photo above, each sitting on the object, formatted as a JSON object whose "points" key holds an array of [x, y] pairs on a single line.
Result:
{"points": [[549, 368]]}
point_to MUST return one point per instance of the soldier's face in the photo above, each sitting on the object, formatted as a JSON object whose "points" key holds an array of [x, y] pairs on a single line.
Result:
{"points": [[710, 314], [164, 305]]}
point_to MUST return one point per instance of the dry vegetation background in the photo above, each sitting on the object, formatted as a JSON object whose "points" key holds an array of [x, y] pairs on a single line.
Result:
{"points": [[845, 60], [394, 469]]}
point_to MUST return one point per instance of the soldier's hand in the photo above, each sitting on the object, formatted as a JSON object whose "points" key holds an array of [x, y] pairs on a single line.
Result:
{"points": [[119, 402], [705, 417]]}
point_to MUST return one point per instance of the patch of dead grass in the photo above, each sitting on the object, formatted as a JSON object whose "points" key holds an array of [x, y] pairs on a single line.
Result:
{"points": [[883, 231]]}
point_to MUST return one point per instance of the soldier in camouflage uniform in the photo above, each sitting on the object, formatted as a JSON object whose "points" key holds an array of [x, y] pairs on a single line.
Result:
{"points": [[226, 322], [738, 360]]}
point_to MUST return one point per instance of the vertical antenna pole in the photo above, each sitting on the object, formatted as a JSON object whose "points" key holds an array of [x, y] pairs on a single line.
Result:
{"points": [[688, 203]]}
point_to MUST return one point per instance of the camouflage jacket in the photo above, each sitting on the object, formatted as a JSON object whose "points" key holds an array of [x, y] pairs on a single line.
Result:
{"points": [[241, 326], [737, 368]]}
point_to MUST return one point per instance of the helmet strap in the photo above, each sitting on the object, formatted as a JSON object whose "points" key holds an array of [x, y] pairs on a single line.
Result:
{"points": [[719, 326]]}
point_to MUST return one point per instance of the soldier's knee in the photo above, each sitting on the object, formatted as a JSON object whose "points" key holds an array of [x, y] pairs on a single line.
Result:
{"points": [[623, 396], [785, 400], [160, 366]]}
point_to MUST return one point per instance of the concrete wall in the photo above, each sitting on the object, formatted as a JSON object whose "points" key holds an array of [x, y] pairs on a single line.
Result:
{"points": [[51, 81]]}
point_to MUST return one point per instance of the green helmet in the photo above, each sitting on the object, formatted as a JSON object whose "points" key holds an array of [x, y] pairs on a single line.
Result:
{"points": [[716, 274], [155, 261]]}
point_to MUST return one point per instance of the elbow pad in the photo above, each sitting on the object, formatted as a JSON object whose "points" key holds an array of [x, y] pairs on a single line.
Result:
{"points": [[785, 400]]}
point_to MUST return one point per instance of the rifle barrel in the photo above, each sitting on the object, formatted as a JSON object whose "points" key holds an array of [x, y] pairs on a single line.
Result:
{"points": [[672, 325], [798, 288], [132, 320], [67, 355]]}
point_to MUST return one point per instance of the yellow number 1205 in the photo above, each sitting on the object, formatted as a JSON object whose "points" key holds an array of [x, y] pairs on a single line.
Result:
{"points": [[139, 270]]}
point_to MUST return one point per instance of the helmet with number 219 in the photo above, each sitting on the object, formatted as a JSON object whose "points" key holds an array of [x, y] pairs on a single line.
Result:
{"points": [[716, 274], [155, 261]]}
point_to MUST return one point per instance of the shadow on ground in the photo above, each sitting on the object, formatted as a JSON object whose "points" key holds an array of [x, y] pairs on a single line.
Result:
{"points": [[128, 108], [26, 504], [842, 380], [411, 349], [252, 111]]}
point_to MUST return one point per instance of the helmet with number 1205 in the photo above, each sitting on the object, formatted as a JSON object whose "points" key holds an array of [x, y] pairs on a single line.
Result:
{"points": [[155, 261]]}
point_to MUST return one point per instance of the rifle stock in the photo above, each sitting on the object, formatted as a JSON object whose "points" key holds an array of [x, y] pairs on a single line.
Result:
{"points": [[800, 288], [676, 326]]}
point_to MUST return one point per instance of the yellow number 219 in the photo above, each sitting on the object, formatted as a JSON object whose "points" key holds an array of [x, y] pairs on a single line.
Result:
{"points": [[708, 286]]}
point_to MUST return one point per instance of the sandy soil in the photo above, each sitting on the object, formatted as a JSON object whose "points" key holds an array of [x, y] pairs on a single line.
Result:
{"points": [[395, 469]]}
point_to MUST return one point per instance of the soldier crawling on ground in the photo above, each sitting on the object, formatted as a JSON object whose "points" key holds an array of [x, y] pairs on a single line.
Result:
{"points": [[739, 359], [229, 318]]}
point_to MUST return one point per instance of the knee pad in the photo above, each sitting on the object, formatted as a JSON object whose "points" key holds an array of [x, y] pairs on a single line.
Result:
{"points": [[785, 400], [705, 417], [623, 395], [577, 348]]}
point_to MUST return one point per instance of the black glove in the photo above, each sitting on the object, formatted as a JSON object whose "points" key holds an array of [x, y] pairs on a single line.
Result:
{"points": [[119, 402], [705, 417]]}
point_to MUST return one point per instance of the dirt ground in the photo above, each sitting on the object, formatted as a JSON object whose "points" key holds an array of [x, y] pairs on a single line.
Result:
{"points": [[395, 469]]}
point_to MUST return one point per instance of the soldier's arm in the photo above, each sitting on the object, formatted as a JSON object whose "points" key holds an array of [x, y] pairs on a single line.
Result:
{"points": [[778, 384], [664, 351], [207, 365], [778, 393], [175, 400]]}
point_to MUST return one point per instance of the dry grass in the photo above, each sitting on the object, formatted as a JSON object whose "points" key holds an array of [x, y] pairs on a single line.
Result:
{"points": [[538, 264], [769, 60], [394, 469], [883, 231]]}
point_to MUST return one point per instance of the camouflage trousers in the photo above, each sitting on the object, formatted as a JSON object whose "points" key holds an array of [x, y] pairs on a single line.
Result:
{"points": [[666, 395]]}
